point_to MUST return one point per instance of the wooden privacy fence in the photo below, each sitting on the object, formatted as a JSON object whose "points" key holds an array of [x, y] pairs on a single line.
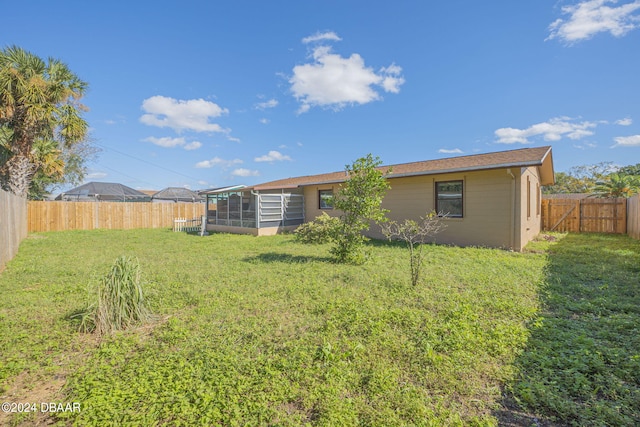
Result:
{"points": [[588, 215], [13, 225], [59, 216], [633, 217]]}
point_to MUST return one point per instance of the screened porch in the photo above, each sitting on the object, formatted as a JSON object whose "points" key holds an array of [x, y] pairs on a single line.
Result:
{"points": [[256, 212]]}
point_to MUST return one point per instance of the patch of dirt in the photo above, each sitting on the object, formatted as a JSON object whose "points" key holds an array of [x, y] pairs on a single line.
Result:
{"points": [[32, 388], [510, 415], [24, 389]]}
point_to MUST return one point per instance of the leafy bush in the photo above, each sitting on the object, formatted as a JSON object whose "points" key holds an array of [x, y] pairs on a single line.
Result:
{"points": [[320, 230], [119, 301]]}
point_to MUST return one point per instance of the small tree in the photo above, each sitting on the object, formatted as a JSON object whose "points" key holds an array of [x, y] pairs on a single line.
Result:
{"points": [[414, 234], [359, 199]]}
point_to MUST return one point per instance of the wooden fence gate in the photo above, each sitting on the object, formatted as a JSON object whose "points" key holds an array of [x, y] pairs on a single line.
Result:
{"points": [[589, 215]]}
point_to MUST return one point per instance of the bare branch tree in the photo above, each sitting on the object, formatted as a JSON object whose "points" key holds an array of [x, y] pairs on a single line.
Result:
{"points": [[414, 234]]}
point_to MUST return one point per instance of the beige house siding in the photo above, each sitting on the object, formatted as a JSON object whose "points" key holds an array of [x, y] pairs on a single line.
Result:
{"points": [[311, 201], [486, 206], [494, 206], [529, 214]]}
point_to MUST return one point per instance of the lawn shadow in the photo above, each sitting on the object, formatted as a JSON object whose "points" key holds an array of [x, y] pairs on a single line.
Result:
{"points": [[269, 257], [581, 364]]}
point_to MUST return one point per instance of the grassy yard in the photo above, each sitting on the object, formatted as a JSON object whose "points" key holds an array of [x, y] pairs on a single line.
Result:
{"points": [[267, 331]]}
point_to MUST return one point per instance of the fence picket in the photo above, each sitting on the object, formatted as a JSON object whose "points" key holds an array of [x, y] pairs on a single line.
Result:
{"points": [[633, 217]]}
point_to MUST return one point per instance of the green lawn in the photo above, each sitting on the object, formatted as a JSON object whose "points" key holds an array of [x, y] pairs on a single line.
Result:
{"points": [[267, 331]]}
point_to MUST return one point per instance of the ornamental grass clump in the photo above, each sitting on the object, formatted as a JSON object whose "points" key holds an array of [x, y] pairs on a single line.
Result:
{"points": [[119, 303]]}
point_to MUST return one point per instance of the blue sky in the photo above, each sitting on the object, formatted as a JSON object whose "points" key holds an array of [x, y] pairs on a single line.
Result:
{"points": [[213, 93]]}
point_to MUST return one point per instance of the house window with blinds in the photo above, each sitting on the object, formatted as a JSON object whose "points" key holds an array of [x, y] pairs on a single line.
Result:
{"points": [[449, 198], [325, 199]]}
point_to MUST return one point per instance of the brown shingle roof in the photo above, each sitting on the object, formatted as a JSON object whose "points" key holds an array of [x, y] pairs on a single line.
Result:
{"points": [[503, 159]]}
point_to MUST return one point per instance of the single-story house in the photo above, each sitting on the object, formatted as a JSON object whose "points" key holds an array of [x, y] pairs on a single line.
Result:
{"points": [[103, 191], [491, 199]]}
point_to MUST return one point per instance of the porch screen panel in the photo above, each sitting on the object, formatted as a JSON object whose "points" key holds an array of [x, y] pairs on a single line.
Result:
{"points": [[223, 209], [270, 207], [248, 210], [293, 206], [235, 206]]}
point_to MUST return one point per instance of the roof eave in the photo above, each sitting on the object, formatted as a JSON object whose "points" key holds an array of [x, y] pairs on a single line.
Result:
{"points": [[432, 172]]}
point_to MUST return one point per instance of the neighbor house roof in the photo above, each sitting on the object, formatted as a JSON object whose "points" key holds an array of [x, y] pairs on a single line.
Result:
{"points": [[525, 157], [104, 191], [177, 194]]}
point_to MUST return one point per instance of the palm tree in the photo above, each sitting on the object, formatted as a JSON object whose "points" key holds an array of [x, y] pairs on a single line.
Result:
{"points": [[617, 185], [39, 105]]}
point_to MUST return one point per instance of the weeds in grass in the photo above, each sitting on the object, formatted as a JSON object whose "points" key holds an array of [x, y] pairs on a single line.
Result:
{"points": [[582, 362], [119, 300]]}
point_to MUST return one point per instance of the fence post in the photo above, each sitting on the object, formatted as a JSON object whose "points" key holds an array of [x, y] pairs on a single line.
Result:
{"points": [[203, 226]]}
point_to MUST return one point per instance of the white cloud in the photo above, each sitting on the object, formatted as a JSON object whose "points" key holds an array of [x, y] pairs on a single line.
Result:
{"points": [[217, 161], [392, 78], [624, 122], [329, 35], [165, 142], [553, 130], [272, 156], [627, 141], [585, 146], [272, 103], [264, 121], [192, 115], [244, 172], [454, 151], [590, 17], [333, 81], [168, 142], [194, 145]]}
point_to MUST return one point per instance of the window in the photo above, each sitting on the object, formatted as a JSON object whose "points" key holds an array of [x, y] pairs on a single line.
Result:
{"points": [[449, 198], [325, 199], [538, 203], [528, 198]]}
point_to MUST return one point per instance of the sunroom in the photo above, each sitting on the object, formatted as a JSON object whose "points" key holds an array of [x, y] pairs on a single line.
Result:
{"points": [[246, 210]]}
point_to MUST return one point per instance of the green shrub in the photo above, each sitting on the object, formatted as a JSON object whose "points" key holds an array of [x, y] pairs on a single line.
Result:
{"points": [[119, 301], [320, 230]]}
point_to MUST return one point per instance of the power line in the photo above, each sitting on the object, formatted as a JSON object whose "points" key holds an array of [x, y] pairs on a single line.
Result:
{"points": [[129, 176], [147, 162]]}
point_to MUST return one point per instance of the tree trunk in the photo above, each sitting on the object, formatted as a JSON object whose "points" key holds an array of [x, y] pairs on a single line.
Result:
{"points": [[17, 174]]}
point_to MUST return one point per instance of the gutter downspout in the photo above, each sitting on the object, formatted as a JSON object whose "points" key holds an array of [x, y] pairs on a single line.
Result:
{"points": [[512, 217]]}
